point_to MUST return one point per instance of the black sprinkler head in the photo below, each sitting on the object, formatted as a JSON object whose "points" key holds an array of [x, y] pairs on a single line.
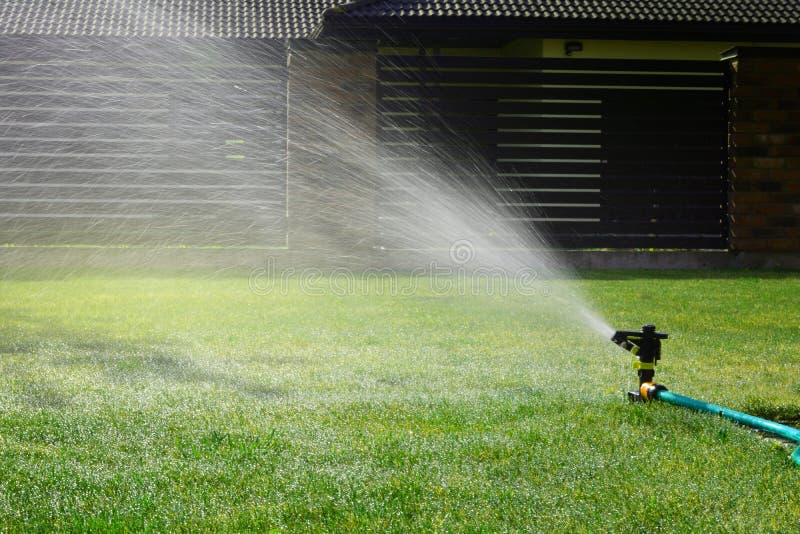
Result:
{"points": [[646, 347], [631, 339]]}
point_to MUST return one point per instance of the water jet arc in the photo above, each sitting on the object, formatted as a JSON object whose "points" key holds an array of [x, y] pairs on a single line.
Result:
{"points": [[646, 347]]}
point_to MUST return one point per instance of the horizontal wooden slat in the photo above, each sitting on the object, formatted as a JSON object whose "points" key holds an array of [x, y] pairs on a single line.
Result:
{"points": [[220, 86], [493, 123], [134, 116], [151, 131], [53, 97], [201, 179], [122, 193], [99, 146], [694, 125], [701, 169], [659, 184], [518, 152], [693, 153], [549, 197], [630, 102], [486, 107], [544, 167], [156, 71], [511, 92], [634, 241], [623, 212], [253, 235], [186, 163], [44, 48], [700, 154], [677, 199], [505, 62], [675, 123], [142, 142], [487, 137], [557, 212], [549, 78], [655, 227], [629, 211], [169, 209], [646, 165], [548, 182], [658, 138]]}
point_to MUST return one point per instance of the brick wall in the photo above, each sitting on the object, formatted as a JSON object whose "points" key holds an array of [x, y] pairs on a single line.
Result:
{"points": [[331, 150], [764, 144]]}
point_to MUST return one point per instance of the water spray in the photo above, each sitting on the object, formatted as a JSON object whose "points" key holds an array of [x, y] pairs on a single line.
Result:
{"points": [[645, 345]]}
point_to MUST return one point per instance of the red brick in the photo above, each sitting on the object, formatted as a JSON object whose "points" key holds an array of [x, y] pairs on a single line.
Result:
{"points": [[743, 199], [751, 127], [742, 139], [777, 66], [784, 151], [746, 220], [770, 116], [766, 232], [767, 245], [773, 209], [750, 77], [775, 89], [769, 163], [789, 175], [768, 197], [741, 163], [755, 186], [740, 91], [785, 79], [775, 139], [748, 173], [753, 103]]}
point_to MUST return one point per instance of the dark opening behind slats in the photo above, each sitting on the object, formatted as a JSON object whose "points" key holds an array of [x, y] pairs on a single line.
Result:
{"points": [[598, 153]]}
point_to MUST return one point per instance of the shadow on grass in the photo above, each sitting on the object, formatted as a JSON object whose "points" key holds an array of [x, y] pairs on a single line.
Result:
{"points": [[787, 414], [694, 274], [121, 362], [54, 273]]}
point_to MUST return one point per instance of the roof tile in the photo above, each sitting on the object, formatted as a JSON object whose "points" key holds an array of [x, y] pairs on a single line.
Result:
{"points": [[704, 11], [163, 18]]}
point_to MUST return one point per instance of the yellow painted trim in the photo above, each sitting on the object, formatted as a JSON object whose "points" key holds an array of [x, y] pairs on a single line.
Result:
{"points": [[598, 49], [642, 365]]}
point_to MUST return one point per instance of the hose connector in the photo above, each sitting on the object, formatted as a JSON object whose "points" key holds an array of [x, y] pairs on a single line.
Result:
{"points": [[649, 390]]}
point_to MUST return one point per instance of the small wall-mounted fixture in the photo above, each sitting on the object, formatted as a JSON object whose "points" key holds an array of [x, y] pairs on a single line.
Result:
{"points": [[570, 47]]}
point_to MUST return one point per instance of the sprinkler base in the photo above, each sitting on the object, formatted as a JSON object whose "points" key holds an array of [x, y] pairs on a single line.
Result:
{"points": [[647, 391], [635, 396]]}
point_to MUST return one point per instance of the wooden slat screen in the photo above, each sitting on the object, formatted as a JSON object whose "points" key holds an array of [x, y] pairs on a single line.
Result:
{"points": [[599, 153], [142, 142]]}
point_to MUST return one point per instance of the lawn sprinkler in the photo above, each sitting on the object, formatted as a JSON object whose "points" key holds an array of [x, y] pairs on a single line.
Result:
{"points": [[646, 348]]}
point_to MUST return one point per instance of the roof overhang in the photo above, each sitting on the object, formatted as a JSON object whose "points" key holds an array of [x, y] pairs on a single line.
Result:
{"points": [[337, 24]]}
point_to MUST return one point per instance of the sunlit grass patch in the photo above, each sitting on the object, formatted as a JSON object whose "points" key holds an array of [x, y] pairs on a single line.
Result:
{"points": [[191, 402]]}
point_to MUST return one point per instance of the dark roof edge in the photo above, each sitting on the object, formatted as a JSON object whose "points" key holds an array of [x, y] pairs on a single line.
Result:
{"points": [[747, 52], [337, 10], [405, 29]]}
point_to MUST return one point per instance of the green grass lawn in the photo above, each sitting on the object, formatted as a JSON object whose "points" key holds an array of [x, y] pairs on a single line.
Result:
{"points": [[189, 402]]}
